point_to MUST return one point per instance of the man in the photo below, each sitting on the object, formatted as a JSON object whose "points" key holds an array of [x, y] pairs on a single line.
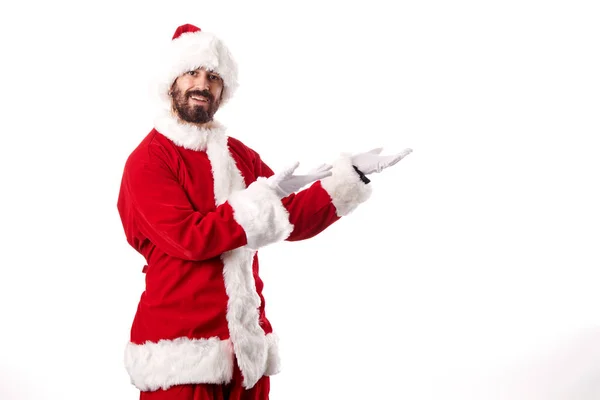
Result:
{"points": [[198, 204]]}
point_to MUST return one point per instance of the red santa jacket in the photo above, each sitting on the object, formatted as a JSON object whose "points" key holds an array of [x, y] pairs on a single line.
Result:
{"points": [[194, 203]]}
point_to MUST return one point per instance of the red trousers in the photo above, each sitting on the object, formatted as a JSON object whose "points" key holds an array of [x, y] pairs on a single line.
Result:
{"points": [[231, 391]]}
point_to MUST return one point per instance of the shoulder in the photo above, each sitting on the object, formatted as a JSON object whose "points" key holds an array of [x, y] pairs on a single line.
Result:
{"points": [[241, 149], [251, 156], [237, 144], [153, 149]]}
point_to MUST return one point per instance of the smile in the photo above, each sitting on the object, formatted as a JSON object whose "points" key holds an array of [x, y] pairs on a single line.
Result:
{"points": [[200, 99]]}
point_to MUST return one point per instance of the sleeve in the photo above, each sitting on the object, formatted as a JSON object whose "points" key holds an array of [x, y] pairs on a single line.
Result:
{"points": [[317, 207], [254, 216]]}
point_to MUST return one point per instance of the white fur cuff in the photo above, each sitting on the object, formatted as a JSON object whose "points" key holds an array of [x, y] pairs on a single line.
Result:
{"points": [[262, 215], [345, 187]]}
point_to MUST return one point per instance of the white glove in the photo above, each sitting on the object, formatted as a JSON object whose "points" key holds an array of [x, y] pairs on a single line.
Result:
{"points": [[371, 161], [285, 183]]}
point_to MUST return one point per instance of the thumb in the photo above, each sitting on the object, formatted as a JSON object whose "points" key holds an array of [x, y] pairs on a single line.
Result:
{"points": [[376, 151], [289, 170], [321, 168]]}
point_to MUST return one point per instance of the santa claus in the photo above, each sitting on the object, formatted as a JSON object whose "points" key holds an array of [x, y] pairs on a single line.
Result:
{"points": [[198, 204]]}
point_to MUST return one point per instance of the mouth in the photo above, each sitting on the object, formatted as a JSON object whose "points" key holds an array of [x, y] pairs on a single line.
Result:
{"points": [[199, 99]]}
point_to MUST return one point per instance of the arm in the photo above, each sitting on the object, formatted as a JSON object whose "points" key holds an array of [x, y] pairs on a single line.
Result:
{"points": [[159, 205], [313, 209]]}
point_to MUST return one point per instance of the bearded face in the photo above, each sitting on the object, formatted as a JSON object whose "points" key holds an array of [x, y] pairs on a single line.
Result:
{"points": [[196, 96]]}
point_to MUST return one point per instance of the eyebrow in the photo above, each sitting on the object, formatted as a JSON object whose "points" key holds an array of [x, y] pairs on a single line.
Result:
{"points": [[208, 71]]}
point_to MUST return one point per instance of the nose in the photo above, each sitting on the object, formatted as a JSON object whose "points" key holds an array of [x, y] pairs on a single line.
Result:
{"points": [[201, 81]]}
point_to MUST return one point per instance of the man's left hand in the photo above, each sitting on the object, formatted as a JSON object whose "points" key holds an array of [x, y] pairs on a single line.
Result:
{"points": [[371, 161]]}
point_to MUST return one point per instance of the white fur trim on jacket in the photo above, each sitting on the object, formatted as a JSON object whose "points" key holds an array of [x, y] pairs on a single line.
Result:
{"points": [[345, 187], [152, 366], [184, 134], [273, 357], [264, 218], [248, 338], [262, 215]]}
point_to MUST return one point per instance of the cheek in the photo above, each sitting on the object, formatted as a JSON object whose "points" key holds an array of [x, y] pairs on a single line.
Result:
{"points": [[183, 84], [218, 92]]}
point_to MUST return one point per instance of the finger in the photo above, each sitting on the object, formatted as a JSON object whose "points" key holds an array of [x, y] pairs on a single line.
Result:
{"points": [[325, 167], [388, 161], [320, 168], [308, 178], [323, 174], [391, 160], [397, 157], [290, 169], [376, 151], [406, 152]]}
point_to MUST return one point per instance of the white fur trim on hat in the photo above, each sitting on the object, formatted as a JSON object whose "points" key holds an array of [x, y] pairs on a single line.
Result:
{"points": [[190, 51]]}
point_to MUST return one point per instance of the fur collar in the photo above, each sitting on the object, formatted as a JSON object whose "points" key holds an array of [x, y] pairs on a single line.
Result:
{"points": [[187, 135]]}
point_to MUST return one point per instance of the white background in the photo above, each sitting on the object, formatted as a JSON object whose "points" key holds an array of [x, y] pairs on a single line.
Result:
{"points": [[473, 270]]}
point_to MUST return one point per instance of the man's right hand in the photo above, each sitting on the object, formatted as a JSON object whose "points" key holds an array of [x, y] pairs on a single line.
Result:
{"points": [[285, 183]]}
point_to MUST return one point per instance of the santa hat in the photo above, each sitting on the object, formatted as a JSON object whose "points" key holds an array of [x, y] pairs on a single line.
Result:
{"points": [[190, 49]]}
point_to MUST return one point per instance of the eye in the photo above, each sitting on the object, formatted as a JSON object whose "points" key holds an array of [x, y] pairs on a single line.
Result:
{"points": [[214, 77], [192, 73]]}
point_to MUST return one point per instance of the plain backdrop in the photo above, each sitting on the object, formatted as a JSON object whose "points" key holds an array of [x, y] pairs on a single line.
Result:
{"points": [[472, 272]]}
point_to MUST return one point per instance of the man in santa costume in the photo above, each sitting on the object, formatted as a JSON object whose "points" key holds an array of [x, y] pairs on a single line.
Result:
{"points": [[198, 204]]}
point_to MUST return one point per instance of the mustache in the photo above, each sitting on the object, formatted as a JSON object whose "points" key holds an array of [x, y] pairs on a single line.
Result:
{"points": [[203, 93]]}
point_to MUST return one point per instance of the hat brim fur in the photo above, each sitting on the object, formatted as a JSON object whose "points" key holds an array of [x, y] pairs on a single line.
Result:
{"points": [[193, 50]]}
